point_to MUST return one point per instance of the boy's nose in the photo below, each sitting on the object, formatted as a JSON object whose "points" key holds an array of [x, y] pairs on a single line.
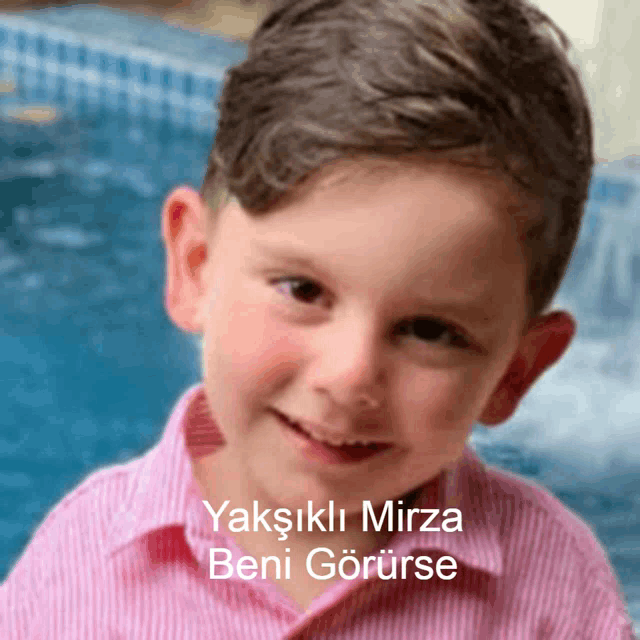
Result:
{"points": [[349, 367]]}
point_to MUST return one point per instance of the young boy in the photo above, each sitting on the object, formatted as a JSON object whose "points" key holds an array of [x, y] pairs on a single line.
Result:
{"points": [[393, 195]]}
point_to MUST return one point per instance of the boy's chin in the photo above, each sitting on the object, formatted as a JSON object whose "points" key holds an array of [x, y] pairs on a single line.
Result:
{"points": [[310, 504], [334, 503], [318, 500]]}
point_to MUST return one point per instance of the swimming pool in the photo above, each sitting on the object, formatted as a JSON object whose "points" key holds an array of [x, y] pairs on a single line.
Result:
{"points": [[85, 343]]}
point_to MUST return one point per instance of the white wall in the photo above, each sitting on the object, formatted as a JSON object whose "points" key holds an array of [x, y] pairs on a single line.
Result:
{"points": [[606, 35], [578, 18]]}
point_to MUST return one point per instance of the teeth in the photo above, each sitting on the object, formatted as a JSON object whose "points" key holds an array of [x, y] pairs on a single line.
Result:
{"points": [[362, 443], [334, 441]]}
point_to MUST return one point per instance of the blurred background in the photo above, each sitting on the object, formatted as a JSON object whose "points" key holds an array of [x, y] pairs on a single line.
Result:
{"points": [[230, 18], [104, 107]]}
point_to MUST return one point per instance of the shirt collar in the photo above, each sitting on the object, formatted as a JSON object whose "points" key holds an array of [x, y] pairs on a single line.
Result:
{"points": [[161, 483], [162, 487]]}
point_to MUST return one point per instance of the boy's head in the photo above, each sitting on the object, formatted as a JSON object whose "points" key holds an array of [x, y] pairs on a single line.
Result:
{"points": [[393, 195]]}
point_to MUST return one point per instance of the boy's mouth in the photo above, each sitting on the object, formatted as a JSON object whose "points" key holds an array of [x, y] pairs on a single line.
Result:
{"points": [[329, 449]]}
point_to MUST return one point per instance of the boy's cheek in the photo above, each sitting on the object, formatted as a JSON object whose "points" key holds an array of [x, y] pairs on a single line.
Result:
{"points": [[446, 398], [259, 349]]}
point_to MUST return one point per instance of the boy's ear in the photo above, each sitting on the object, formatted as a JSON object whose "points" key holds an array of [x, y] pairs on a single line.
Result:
{"points": [[545, 341], [185, 240]]}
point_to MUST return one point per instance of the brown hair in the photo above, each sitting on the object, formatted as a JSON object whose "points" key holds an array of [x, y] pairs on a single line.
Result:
{"points": [[484, 83]]}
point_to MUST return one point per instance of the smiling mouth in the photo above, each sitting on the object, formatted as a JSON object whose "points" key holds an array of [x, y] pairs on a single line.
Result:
{"points": [[325, 451]]}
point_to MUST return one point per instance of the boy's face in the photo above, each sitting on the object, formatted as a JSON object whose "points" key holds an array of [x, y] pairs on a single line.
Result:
{"points": [[388, 308]]}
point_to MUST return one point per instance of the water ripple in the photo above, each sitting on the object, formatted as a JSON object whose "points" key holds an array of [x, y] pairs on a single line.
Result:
{"points": [[68, 237]]}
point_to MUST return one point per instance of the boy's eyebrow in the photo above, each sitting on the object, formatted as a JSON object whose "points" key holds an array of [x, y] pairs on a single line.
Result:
{"points": [[285, 255], [479, 310]]}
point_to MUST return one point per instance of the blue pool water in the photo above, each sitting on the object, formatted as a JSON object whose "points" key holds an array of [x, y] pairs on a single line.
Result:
{"points": [[91, 365], [85, 344]]}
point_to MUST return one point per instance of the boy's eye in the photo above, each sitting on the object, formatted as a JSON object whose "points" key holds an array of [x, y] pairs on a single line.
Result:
{"points": [[425, 329], [301, 289], [433, 331]]}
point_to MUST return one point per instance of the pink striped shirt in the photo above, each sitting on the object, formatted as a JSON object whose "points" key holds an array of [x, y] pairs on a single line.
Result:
{"points": [[126, 555]]}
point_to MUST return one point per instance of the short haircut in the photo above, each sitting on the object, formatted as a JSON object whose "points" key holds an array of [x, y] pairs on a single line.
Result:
{"points": [[482, 83]]}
